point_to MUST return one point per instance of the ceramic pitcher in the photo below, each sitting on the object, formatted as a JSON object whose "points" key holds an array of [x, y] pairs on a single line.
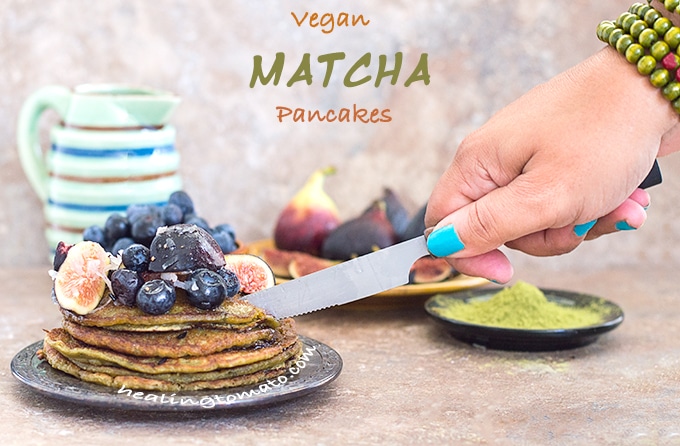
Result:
{"points": [[113, 147]]}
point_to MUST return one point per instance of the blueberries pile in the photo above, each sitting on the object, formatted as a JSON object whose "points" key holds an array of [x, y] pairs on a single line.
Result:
{"points": [[205, 289], [140, 222], [130, 235]]}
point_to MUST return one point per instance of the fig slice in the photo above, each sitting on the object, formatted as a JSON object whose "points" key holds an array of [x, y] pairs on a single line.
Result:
{"points": [[430, 270], [279, 260], [184, 247], [81, 281], [252, 271], [304, 265]]}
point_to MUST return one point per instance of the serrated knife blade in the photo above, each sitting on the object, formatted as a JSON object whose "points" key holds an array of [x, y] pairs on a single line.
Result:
{"points": [[346, 282]]}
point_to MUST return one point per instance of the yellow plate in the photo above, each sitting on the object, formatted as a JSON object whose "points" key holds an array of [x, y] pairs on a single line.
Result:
{"points": [[458, 283]]}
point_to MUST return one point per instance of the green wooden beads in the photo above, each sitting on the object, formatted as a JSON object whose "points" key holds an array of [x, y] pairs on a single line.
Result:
{"points": [[649, 41]]}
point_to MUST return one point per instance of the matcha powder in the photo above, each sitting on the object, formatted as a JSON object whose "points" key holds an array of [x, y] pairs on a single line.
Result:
{"points": [[522, 306]]}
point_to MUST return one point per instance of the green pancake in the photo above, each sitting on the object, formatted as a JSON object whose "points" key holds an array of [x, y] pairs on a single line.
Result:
{"points": [[60, 340], [171, 344], [234, 314], [119, 378]]}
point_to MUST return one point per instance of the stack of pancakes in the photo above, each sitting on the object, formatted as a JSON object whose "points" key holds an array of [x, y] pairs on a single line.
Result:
{"points": [[185, 349]]}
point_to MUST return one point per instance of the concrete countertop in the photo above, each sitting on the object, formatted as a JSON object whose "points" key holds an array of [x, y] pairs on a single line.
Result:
{"points": [[404, 381]]}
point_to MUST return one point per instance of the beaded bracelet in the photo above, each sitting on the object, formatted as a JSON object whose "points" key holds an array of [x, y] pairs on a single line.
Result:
{"points": [[650, 42], [672, 6]]}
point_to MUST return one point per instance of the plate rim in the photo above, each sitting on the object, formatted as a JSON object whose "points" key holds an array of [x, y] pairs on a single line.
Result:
{"points": [[503, 338], [327, 361]]}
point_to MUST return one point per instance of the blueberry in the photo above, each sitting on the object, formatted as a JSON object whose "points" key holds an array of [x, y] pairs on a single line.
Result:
{"points": [[156, 297], [172, 214], [136, 257], [198, 221], [183, 200], [231, 280], [116, 226], [94, 234], [145, 227], [226, 241], [135, 211], [121, 244], [225, 227], [206, 289], [125, 284]]}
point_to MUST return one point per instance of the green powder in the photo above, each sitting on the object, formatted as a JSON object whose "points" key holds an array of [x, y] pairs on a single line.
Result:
{"points": [[522, 306]]}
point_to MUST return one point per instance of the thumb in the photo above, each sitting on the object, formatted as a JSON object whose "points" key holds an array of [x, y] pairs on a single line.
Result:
{"points": [[501, 215]]}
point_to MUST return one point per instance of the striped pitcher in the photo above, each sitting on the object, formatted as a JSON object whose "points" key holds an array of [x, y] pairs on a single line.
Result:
{"points": [[112, 148]]}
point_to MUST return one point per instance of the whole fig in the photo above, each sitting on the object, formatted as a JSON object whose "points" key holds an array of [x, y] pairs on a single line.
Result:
{"points": [[396, 212], [308, 218], [416, 226], [361, 235]]}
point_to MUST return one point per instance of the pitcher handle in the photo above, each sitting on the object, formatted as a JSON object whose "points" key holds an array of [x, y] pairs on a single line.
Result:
{"points": [[28, 141]]}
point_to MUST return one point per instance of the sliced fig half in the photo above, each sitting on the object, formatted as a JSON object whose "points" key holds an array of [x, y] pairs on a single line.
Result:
{"points": [[80, 283], [278, 260], [430, 270], [252, 271], [304, 265]]}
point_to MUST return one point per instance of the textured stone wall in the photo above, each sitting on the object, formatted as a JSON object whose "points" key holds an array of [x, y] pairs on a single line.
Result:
{"points": [[239, 162]]}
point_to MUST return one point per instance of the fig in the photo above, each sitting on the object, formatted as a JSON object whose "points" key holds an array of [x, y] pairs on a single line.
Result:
{"points": [[430, 270], [307, 264], [395, 210], [416, 225], [81, 281], [60, 255], [254, 274], [308, 218], [361, 235], [184, 247], [278, 260]]}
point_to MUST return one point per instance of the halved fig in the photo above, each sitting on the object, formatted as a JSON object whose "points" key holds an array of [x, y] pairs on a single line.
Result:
{"points": [[253, 273], [430, 270], [303, 265], [278, 260], [80, 283]]}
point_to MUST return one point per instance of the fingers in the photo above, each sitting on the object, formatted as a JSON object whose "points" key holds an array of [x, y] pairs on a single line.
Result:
{"points": [[505, 213], [629, 216], [493, 265]]}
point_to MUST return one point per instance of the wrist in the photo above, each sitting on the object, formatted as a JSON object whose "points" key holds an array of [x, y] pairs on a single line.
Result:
{"points": [[642, 99]]}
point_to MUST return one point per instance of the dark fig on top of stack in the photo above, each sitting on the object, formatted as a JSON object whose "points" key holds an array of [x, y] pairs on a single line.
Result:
{"points": [[416, 225], [184, 247], [308, 218], [397, 214], [360, 235]]}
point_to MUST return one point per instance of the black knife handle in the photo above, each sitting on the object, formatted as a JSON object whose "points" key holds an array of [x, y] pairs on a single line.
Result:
{"points": [[653, 177]]}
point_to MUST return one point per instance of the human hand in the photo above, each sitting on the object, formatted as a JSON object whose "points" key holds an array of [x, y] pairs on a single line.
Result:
{"points": [[569, 152]]}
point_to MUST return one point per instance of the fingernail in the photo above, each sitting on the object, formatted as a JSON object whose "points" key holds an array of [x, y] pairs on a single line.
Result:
{"points": [[624, 226], [581, 230], [444, 242]]}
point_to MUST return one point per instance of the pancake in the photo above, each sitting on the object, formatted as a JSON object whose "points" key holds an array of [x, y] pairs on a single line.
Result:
{"points": [[232, 314], [72, 349], [170, 344], [164, 383], [273, 362], [216, 340]]}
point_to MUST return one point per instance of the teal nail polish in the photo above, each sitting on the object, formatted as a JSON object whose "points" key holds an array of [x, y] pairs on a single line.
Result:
{"points": [[444, 242], [624, 226], [582, 229]]}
